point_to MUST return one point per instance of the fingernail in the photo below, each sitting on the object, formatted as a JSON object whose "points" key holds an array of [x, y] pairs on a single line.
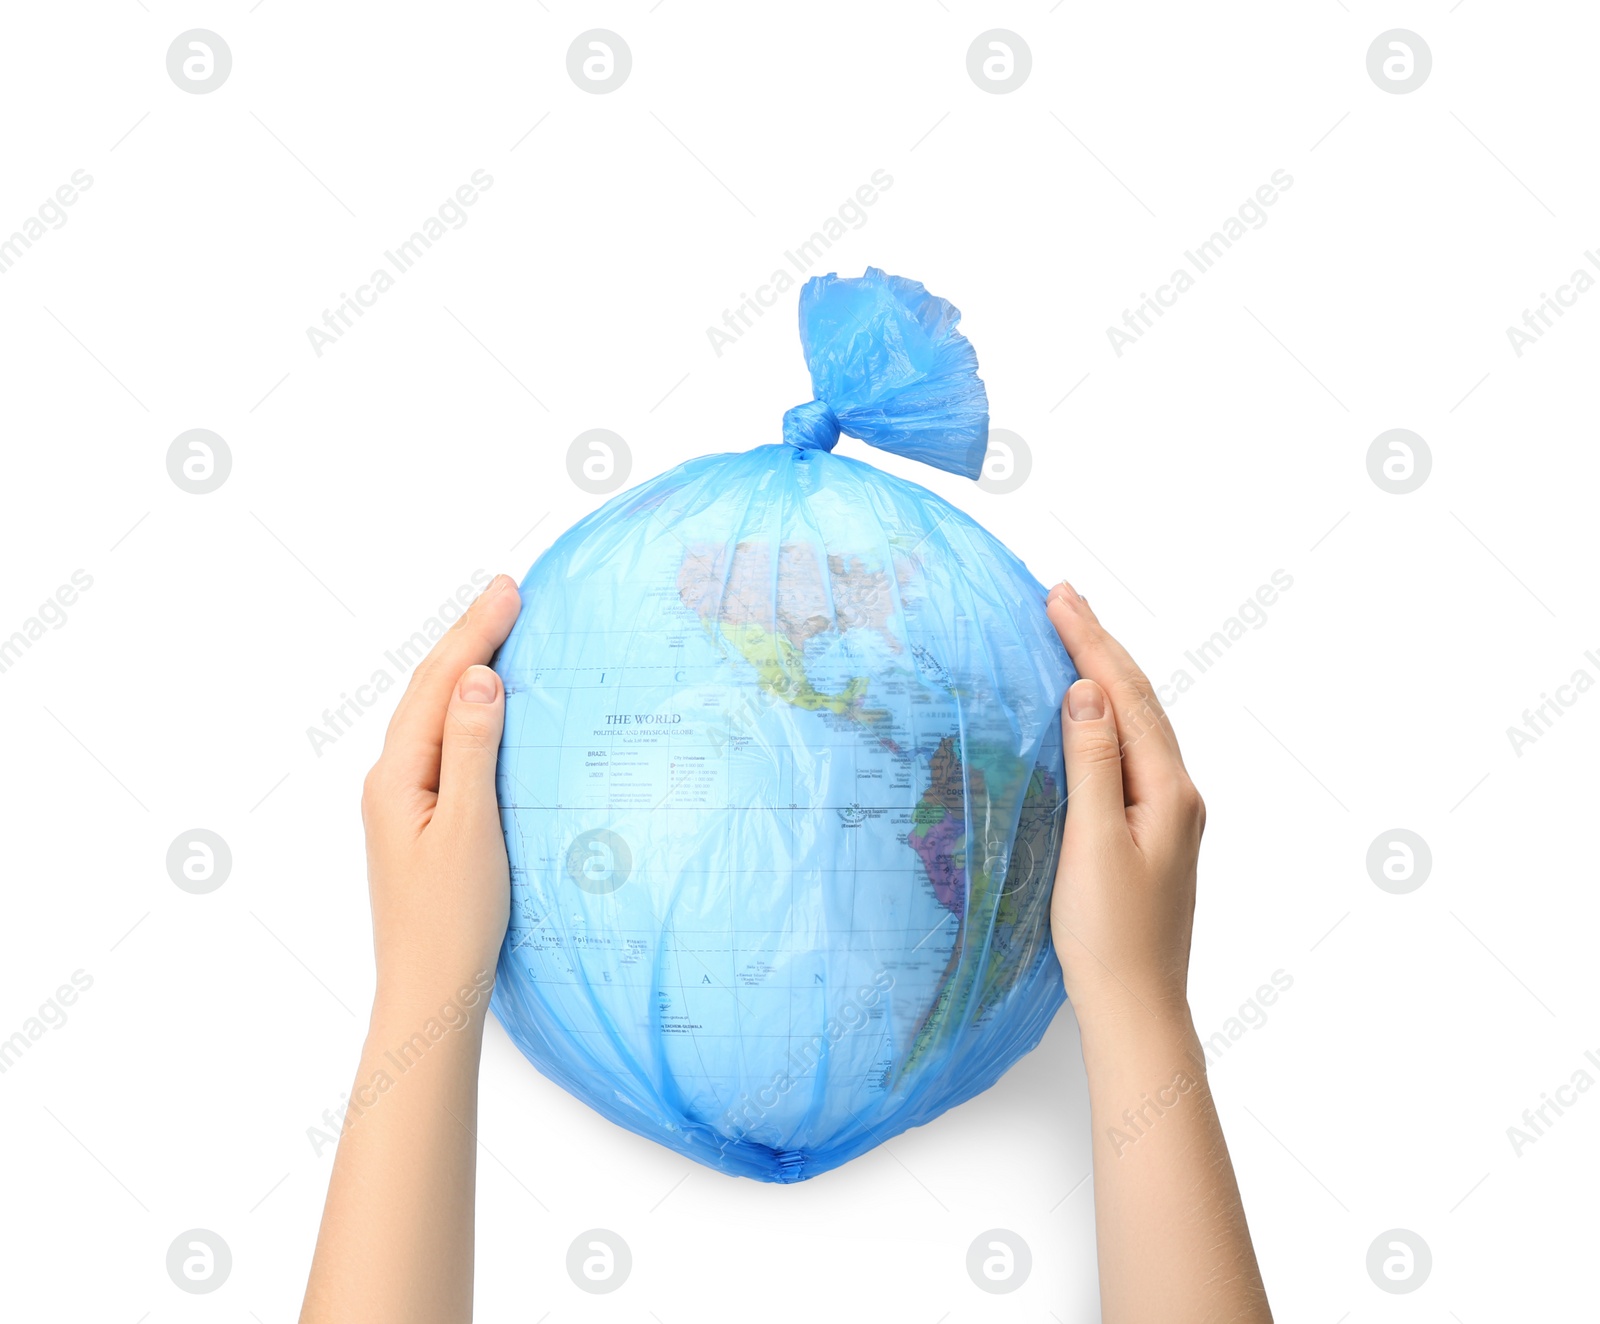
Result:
{"points": [[478, 685], [1064, 592], [1085, 702]]}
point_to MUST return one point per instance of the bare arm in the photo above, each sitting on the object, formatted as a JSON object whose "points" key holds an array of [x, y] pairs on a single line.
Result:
{"points": [[397, 1232], [1173, 1242]]}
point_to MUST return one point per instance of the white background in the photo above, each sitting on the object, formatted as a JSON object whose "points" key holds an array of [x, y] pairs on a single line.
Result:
{"points": [[1167, 483]]}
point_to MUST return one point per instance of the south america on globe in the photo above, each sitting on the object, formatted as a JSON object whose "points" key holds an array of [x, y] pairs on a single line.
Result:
{"points": [[781, 778]]}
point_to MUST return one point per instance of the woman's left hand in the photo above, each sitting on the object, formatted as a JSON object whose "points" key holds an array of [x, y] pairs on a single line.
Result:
{"points": [[436, 857]]}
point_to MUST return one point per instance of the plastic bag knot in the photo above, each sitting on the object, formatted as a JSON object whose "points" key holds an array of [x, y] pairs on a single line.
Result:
{"points": [[811, 426], [889, 368]]}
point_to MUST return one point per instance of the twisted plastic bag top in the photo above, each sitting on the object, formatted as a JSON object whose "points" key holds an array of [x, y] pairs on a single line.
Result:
{"points": [[782, 780], [889, 367]]}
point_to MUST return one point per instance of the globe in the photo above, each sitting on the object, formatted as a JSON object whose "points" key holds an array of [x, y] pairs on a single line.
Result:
{"points": [[782, 790], [781, 777]]}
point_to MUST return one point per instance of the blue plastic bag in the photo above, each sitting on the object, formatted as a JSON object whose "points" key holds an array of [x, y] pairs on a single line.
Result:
{"points": [[781, 779]]}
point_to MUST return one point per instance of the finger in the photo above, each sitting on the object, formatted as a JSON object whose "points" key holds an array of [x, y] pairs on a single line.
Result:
{"points": [[472, 727], [1095, 802], [414, 740], [1151, 763]]}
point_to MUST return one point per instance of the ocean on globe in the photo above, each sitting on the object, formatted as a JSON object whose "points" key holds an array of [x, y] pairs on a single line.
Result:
{"points": [[781, 778]]}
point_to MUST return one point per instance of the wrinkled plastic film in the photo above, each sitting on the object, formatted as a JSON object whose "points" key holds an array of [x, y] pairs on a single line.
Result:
{"points": [[782, 782]]}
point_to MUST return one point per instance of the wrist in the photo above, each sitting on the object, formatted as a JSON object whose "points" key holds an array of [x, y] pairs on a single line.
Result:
{"points": [[431, 1006], [1140, 1035]]}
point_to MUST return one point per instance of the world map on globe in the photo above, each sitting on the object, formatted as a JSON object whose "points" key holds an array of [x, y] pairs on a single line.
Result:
{"points": [[781, 777], [775, 869]]}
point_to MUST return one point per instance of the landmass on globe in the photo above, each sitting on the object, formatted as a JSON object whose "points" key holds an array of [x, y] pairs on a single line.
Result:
{"points": [[768, 614]]}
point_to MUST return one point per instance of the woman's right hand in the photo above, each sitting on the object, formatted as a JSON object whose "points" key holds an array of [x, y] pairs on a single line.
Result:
{"points": [[1123, 907], [1170, 1227]]}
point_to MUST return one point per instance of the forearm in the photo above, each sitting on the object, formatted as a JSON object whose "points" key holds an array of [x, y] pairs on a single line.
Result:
{"points": [[1173, 1242], [397, 1231]]}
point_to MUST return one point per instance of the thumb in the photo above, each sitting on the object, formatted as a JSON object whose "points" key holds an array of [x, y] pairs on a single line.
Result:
{"points": [[1094, 761], [471, 742]]}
